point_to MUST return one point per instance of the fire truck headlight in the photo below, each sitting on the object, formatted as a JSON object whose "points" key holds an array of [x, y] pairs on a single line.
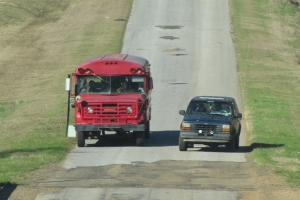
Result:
{"points": [[129, 109], [89, 109], [78, 99]]}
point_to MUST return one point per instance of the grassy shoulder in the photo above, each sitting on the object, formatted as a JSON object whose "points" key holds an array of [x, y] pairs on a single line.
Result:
{"points": [[266, 36], [41, 42]]}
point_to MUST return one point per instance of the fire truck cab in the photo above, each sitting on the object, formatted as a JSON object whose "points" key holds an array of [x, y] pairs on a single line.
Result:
{"points": [[111, 93]]}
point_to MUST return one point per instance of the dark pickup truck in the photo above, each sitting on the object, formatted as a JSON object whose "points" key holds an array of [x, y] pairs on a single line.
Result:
{"points": [[212, 121]]}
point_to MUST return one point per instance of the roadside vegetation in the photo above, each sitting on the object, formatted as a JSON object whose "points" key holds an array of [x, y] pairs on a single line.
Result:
{"points": [[266, 35], [41, 42]]}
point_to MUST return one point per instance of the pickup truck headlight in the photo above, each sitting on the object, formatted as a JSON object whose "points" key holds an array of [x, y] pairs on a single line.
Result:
{"points": [[185, 126], [226, 128]]}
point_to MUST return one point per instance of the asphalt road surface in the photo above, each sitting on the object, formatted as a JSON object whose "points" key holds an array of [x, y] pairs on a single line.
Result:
{"points": [[191, 52]]}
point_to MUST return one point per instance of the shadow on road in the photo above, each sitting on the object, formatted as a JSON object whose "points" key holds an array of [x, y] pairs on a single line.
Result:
{"points": [[242, 149], [6, 190], [163, 138], [170, 138], [157, 138]]}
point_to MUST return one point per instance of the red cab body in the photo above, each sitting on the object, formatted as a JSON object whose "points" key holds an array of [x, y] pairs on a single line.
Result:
{"points": [[112, 93]]}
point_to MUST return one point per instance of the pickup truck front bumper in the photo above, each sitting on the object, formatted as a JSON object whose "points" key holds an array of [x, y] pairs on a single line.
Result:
{"points": [[205, 138]]}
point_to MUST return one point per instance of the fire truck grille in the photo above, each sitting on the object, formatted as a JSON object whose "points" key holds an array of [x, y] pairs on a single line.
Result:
{"points": [[109, 110]]}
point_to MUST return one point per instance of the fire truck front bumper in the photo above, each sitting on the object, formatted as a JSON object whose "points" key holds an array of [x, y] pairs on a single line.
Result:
{"points": [[110, 127]]}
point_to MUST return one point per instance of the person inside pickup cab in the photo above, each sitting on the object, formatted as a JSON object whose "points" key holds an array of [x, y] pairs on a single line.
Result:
{"points": [[199, 107], [219, 108]]}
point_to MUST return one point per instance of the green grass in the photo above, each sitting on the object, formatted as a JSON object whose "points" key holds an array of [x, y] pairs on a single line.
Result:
{"points": [[267, 48], [41, 42]]}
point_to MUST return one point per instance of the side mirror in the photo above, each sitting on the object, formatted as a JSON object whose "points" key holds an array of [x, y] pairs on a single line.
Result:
{"points": [[238, 115], [67, 86], [182, 112]]}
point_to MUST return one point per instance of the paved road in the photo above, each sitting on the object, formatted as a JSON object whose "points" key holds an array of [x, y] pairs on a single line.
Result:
{"points": [[189, 46], [139, 194]]}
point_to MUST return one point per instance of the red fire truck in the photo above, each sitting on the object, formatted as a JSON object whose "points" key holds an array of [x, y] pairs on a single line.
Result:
{"points": [[111, 93]]}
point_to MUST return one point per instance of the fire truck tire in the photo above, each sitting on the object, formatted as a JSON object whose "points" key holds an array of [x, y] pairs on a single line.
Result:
{"points": [[80, 139], [140, 138], [147, 131]]}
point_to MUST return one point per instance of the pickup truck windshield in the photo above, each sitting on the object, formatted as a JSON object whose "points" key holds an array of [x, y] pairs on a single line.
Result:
{"points": [[110, 84], [210, 107]]}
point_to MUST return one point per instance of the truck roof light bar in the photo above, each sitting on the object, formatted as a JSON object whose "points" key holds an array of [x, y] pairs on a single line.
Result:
{"points": [[136, 71], [81, 71], [133, 71], [88, 71], [85, 71]]}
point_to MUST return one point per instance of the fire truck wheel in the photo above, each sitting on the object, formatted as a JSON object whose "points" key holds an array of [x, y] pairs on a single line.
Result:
{"points": [[140, 138], [80, 139], [147, 131]]}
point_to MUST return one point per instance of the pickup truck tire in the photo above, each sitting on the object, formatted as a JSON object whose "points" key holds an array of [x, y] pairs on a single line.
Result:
{"points": [[237, 142], [231, 145], [80, 139], [182, 144], [237, 139], [140, 138]]}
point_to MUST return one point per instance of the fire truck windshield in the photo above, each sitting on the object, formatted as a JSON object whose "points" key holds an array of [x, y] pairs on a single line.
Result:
{"points": [[110, 84]]}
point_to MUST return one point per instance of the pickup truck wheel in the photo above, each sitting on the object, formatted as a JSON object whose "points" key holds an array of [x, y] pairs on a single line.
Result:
{"points": [[147, 131], [80, 139], [237, 142], [182, 144], [231, 145], [140, 138]]}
